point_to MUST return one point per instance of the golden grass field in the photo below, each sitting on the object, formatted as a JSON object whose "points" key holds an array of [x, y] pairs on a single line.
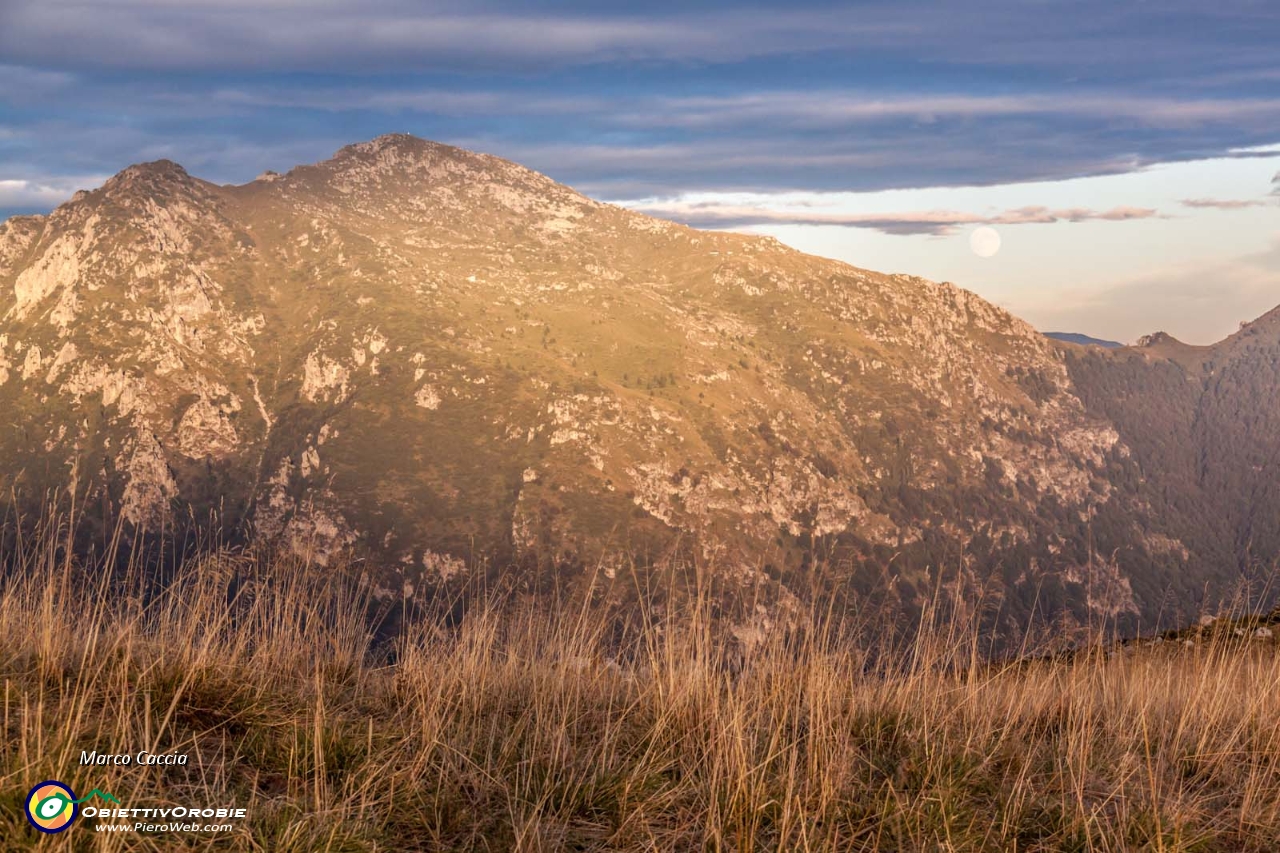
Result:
{"points": [[523, 728]]}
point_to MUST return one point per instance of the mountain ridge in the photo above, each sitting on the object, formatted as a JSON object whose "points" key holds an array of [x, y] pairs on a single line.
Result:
{"points": [[1083, 340], [442, 360]]}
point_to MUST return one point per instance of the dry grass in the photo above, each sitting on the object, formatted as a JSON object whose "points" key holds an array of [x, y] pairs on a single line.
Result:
{"points": [[518, 730]]}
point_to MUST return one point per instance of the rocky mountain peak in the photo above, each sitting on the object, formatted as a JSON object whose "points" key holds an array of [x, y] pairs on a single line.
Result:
{"points": [[402, 143], [1157, 339], [153, 176], [405, 182], [411, 155], [399, 163]]}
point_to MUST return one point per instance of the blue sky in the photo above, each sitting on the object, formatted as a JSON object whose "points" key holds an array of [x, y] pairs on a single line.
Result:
{"points": [[1125, 151]]}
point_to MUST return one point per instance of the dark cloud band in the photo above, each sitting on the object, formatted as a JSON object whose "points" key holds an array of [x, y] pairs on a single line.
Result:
{"points": [[937, 222], [628, 105]]}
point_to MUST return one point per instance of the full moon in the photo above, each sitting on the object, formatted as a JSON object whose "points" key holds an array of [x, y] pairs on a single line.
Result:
{"points": [[984, 241]]}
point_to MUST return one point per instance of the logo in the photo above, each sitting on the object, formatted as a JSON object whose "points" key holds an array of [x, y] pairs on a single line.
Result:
{"points": [[51, 806]]}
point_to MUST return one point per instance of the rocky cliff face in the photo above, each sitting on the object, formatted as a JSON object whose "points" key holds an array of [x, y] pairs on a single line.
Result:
{"points": [[438, 359]]}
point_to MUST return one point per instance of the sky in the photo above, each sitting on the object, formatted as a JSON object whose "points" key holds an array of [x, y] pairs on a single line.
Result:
{"points": [[1126, 153]]}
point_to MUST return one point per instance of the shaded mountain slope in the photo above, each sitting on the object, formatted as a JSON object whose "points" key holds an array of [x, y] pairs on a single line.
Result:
{"points": [[1203, 427]]}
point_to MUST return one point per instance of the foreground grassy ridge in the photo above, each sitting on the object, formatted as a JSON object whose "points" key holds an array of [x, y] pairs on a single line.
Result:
{"points": [[518, 731]]}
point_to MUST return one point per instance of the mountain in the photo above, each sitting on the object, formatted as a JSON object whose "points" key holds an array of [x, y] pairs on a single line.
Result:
{"points": [[438, 361], [1203, 428], [1083, 340]]}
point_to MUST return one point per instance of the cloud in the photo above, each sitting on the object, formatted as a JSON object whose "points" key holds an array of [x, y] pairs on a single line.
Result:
{"points": [[43, 193], [637, 144], [836, 108], [794, 109], [782, 112], [1194, 40], [422, 100], [226, 154], [898, 158], [389, 34], [1027, 215], [630, 104], [934, 222], [1222, 203]]}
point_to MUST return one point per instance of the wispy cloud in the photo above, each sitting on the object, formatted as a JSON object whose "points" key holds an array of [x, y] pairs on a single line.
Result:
{"points": [[836, 108], [936, 222], [386, 34], [1222, 203], [832, 108], [1026, 215], [390, 100]]}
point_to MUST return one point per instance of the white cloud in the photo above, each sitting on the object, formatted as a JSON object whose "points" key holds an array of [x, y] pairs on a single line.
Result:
{"points": [[43, 193]]}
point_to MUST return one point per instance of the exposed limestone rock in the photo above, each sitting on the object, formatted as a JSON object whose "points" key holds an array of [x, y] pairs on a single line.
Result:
{"points": [[65, 356], [427, 398], [33, 363], [318, 534], [324, 379], [17, 235], [443, 567], [206, 430], [310, 461], [149, 482], [57, 267]]}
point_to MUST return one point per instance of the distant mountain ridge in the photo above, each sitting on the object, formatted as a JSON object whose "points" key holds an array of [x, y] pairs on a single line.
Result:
{"points": [[439, 361], [1083, 340]]}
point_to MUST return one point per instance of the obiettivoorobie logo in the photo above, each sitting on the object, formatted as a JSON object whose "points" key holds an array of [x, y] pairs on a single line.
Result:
{"points": [[51, 805]]}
